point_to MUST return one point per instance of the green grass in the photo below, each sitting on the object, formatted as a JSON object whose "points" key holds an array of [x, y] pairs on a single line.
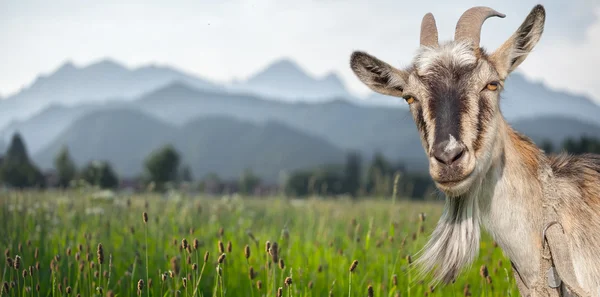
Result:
{"points": [[317, 240]]}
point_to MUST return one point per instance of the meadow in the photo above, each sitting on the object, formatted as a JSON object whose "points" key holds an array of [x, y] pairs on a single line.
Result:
{"points": [[84, 242]]}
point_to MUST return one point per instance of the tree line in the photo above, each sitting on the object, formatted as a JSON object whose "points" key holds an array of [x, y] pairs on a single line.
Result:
{"points": [[163, 169]]}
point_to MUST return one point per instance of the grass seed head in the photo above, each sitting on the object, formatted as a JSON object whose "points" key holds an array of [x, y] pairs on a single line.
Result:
{"points": [[267, 246], [288, 281], [395, 280], [310, 285], [17, 262], [5, 287], [140, 286], [273, 251], [175, 265], [247, 251], [69, 289], [194, 266], [221, 258], [9, 262], [280, 292], [145, 217], [409, 259], [370, 291], [24, 273], [353, 266], [251, 274], [221, 247], [100, 253], [206, 256], [281, 264], [483, 271], [184, 280], [229, 246], [259, 285], [184, 244], [196, 243]]}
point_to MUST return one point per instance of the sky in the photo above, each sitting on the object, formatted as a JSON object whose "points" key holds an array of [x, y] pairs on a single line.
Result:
{"points": [[223, 40]]}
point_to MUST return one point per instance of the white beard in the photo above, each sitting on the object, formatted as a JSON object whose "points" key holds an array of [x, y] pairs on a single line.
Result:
{"points": [[454, 243]]}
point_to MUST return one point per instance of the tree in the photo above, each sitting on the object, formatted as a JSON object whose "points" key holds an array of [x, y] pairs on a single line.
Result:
{"points": [[101, 174], [162, 166], [297, 183], [65, 167], [186, 174], [352, 174], [379, 176], [248, 182], [547, 146], [17, 170]]}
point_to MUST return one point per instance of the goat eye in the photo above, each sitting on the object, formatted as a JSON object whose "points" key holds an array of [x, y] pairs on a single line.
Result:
{"points": [[492, 86], [409, 99]]}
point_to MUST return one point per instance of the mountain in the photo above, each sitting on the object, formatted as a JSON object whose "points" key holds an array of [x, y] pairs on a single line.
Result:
{"points": [[286, 80], [46, 125], [524, 98], [227, 147], [122, 136], [556, 129], [101, 81], [342, 123], [125, 137], [367, 129]]}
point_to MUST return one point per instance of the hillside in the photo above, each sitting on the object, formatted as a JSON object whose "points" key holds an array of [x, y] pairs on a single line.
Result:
{"points": [[122, 136], [100, 81], [555, 129], [211, 144]]}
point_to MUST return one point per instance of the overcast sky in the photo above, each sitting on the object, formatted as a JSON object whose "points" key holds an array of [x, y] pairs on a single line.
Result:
{"points": [[231, 39]]}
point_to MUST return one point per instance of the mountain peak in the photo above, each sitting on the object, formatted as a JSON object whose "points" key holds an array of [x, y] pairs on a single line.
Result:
{"points": [[283, 67], [68, 66], [106, 64]]}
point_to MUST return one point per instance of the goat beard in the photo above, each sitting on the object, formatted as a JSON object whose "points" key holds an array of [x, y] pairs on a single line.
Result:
{"points": [[454, 243]]}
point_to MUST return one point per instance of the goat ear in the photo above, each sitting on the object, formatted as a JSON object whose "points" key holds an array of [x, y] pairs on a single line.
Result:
{"points": [[379, 76], [514, 50]]}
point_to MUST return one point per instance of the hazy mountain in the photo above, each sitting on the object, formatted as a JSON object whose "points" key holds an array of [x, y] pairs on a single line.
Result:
{"points": [[226, 147], [47, 124], [286, 80], [524, 98], [367, 129], [123, 137], [100, 81], [213, 144], [555, 129]]}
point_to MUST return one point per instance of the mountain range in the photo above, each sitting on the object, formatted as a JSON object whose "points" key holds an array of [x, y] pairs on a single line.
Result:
{"points": [[108, 111]]}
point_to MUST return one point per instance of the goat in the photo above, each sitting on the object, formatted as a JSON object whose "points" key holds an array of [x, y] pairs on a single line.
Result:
{"points": [[492, 175]]}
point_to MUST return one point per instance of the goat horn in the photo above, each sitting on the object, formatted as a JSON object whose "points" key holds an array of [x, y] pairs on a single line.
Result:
{"points": [[429, 32], [469, 24]]}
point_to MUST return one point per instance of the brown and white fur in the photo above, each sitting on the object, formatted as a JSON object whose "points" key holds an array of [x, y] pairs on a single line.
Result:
{"points": [[489, 172]]}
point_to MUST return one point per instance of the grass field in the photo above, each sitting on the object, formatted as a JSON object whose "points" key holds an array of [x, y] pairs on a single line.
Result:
{"points": [[80, 243]]}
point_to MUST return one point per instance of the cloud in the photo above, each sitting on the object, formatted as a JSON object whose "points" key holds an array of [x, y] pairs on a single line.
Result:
{"points": [[228, 39], [569, 65]]}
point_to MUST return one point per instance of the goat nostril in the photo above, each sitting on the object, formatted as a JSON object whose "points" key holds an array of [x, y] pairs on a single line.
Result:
{"points": [[448, 156], [458, 156], [439, 159]]}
